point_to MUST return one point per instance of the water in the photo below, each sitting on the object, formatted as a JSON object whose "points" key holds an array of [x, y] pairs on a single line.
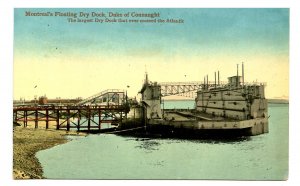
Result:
{"points": [[94, 122], [108, 156]]}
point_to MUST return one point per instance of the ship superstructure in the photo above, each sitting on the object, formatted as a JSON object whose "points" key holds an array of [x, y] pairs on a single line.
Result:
{"points": [[236, 100]]}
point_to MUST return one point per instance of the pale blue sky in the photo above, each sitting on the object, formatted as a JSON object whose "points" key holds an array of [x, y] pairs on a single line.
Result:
{"points": [[204, 30]]}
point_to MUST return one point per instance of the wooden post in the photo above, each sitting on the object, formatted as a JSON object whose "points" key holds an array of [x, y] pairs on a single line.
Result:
{"points": [[36, 118], [25, 118], [47, 118], [99, 123], [78, 120], [89, 119], [15, 115], [57, 119], [68, 119]]}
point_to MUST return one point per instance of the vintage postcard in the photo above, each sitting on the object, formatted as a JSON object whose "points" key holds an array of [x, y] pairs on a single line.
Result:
{"points": [[151, 93]]}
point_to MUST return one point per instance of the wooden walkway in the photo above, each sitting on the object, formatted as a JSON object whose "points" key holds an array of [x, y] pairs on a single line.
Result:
{"points": [[67, 117]]}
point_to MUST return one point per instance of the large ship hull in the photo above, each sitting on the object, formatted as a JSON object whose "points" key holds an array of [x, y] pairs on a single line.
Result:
{"points": [[244, 127]]}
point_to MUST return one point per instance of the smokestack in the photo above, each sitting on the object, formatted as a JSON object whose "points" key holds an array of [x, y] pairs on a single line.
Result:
{"points": [[243, 72], [215, 80], [207, 81], [146, 79], [204, 82]]}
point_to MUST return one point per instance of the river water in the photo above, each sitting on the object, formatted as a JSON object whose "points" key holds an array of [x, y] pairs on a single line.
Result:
{"points": [[109, 156]]}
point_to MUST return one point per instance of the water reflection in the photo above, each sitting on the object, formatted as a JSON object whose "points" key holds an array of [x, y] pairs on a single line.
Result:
{"points": [[148, 144]]}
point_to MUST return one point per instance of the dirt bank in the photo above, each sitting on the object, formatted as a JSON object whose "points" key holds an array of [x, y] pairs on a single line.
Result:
{"points": [[28, 141]]}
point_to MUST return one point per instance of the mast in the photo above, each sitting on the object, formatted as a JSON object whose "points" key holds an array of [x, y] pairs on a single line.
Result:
{"points": [[207, 81], [218, 79], [237, 75], [243, 73]]}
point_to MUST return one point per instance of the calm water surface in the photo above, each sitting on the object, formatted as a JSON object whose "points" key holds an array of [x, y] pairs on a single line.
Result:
{"points": [[108, 156]]}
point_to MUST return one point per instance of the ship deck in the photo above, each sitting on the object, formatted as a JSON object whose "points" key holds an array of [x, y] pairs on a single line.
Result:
{"points": [[186, 115]]}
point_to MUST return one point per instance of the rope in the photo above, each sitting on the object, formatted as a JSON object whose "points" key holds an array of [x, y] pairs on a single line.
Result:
{"points": [[118, 131]]}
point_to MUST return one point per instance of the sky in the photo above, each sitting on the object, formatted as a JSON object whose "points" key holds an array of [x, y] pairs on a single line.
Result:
{"points": [[57, 58]]}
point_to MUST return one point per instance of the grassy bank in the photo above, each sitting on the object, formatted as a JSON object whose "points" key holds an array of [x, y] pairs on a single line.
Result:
{"points": [[26, 143]]}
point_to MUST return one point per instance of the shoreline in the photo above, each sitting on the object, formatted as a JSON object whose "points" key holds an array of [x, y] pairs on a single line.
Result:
{"points": [[27, 142]]}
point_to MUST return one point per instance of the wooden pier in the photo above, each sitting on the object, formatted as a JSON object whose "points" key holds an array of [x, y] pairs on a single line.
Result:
{"points": [[80, 117]]}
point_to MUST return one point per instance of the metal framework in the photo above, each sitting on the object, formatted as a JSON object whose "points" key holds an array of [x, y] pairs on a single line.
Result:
{"points": [[186, 89], [189, 89]]}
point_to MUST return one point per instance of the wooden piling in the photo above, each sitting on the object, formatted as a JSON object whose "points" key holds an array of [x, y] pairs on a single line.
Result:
{"points": [[89, 119], [15, 116], [99, 122], [68, 119], [57, 119], [36, 118], [78, 120], [26, 115], [47, 118]]}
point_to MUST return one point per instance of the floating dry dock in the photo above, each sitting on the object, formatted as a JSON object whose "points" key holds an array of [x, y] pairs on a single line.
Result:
{"points": [[235, 105]]}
